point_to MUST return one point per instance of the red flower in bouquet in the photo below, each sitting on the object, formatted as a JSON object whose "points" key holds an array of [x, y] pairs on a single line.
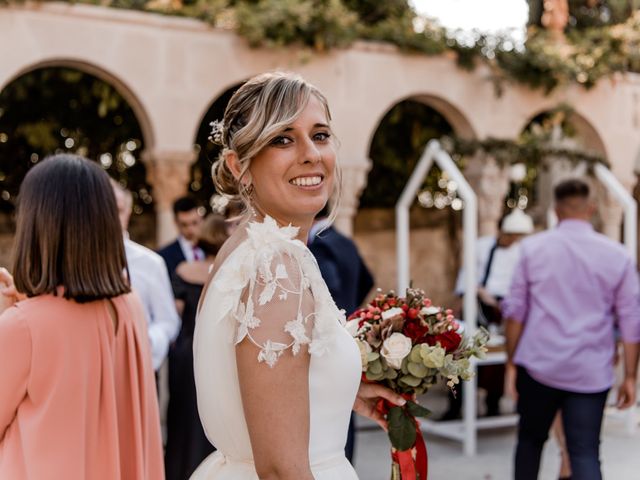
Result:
{"points": [[449, 340], [416, 331]]}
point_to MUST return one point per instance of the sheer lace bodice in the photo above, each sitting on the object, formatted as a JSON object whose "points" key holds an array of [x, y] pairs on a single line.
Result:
{"points": [[269, 289]]}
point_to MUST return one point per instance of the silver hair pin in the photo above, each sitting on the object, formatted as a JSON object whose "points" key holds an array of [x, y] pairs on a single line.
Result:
{"points": [[217, 132]]}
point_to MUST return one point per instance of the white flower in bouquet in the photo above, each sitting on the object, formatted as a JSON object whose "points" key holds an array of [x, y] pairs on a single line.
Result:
{"points": [[395, 349], [352, 327], [392, 312], [432, 310]]}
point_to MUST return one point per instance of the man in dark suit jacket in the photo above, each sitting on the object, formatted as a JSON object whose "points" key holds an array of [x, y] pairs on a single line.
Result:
{"points": [[188, 220], [346, 275]]}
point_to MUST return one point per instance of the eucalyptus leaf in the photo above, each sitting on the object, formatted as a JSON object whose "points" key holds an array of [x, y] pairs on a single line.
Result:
{"points": [[417, 410], [417, 369], [410, 380], [390, 374], [403, 367], [374, 377], [375, 367], [415, 356], [402, 429], [373, 356]]}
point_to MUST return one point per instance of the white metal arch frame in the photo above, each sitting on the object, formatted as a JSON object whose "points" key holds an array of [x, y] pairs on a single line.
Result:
{"points": [[465, 432]]}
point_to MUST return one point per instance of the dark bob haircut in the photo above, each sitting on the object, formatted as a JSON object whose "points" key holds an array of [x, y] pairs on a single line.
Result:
{"points": [[572, 188], [68, 233]]}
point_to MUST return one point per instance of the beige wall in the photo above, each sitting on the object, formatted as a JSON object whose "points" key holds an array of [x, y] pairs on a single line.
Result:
{"points": [[435, 249], [171, 70]]}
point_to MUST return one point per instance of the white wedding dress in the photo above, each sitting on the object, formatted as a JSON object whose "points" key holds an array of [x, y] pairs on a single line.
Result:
{"points": [[270, 290]]}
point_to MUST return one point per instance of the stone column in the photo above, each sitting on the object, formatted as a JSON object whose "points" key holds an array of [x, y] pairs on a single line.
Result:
{"points": [[354, 179], [610, 213], [491, 183], [559, 169], [169, 174]]}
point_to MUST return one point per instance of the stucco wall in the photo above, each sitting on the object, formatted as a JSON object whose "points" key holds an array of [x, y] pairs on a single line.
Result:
{"points": [[171, 70]]}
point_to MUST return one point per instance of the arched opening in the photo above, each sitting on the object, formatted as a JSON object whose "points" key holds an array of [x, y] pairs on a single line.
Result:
{"points": [[56, 109], [201, 185], [395, 149], [562, 131]]}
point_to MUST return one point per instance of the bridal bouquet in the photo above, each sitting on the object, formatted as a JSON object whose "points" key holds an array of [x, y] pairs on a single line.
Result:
{"points": [[407, 344]]}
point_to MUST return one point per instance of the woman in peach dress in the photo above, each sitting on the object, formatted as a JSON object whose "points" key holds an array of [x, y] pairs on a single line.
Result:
{"points": [[77, 393]]}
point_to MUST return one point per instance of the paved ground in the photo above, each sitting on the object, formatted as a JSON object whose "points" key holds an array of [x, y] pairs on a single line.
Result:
{"points": [[620, 453]]}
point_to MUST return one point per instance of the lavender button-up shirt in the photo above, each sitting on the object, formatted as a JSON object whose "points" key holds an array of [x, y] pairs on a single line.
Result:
{"points": [[571, 288]]}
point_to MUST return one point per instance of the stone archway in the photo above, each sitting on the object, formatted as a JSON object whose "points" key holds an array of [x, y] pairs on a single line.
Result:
{"points": [[395, 146], [201, 185], [51, 109], [573, 130], [140, 111]]}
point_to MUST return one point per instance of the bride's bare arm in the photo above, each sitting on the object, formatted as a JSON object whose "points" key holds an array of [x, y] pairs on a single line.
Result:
{"points": [[276, 406], [273, 368]]}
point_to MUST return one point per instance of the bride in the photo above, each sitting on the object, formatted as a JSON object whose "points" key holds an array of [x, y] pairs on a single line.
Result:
{"points": [[277, 375]]}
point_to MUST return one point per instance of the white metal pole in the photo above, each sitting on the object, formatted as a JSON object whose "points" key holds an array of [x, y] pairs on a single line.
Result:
{"points": [[433, 152], [470, 235], [615, 187], [402, 214]]}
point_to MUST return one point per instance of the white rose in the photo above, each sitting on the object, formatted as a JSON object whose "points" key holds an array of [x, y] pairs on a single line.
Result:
{"points": [[395, 348], [392, 312], [430, 310], [352, 327]]}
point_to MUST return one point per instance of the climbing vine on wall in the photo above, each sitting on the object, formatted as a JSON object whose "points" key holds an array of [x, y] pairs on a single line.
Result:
{"points": [[585, 56]]}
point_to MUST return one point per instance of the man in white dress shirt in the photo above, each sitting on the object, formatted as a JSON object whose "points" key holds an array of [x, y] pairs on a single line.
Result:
{"points": [[498, 257], [150, 280]]}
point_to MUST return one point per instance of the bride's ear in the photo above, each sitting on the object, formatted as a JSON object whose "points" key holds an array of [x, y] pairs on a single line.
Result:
{"points": [[232, 162]]}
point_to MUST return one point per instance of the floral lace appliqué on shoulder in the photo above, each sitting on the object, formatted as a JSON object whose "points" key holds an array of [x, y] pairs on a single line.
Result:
{"points": [[276, 294]]}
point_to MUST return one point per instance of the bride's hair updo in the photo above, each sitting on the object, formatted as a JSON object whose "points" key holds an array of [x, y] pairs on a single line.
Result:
{"points": [[256, 114]]}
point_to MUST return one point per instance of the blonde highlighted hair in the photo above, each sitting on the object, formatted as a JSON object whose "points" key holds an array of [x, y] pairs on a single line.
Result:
{"points": [[256, 114]]}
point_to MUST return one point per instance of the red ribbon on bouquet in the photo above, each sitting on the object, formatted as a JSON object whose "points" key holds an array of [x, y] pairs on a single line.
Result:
{"points": [[410, 469]]}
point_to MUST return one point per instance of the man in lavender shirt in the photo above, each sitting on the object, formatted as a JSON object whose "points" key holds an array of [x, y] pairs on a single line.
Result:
{"points": [[573, 291]]}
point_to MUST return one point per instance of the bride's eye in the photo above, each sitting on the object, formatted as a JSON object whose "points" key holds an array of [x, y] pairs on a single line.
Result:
{"points": [[281, 141], [321, 136]]}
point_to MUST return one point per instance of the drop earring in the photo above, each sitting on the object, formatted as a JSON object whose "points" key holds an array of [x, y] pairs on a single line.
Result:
{"points": [[248, 190]]}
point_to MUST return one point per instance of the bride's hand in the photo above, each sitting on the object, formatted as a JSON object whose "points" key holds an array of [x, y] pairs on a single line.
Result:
{"points": [[367, 397]]}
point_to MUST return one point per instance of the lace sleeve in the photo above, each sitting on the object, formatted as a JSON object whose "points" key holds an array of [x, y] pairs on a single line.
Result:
{"points": [[276, 308]]}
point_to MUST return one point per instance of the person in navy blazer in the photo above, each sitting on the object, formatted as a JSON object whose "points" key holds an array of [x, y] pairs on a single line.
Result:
{"points": [[188, 220], [344, 272]]}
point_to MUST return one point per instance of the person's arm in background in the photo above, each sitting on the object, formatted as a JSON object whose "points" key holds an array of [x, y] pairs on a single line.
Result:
{"points": [[15, 354], [164, 323], [627, 309], [515, 308]]}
